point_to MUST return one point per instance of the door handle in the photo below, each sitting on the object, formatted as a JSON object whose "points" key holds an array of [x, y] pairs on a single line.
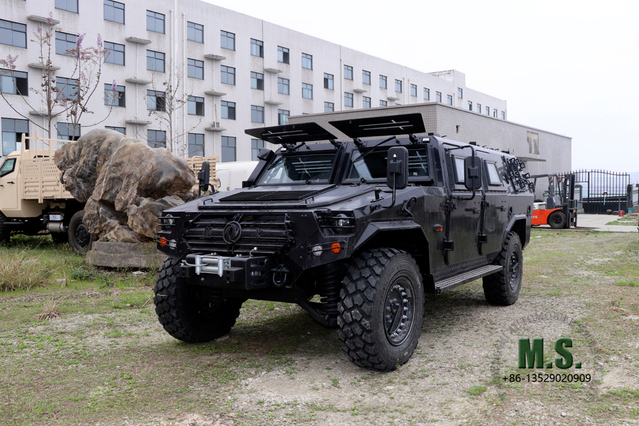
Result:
{"points": [[475, 210], [13, 183]]}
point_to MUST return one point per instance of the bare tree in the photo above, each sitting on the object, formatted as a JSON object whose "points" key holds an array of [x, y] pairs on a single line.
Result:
{"points": [[72, 97]]}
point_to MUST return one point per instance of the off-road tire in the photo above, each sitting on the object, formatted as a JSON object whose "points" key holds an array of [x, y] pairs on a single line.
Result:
{"points": [[192, 313], [502, 288], [80, 239], [5, 231], [381, 309], [557, 220]]}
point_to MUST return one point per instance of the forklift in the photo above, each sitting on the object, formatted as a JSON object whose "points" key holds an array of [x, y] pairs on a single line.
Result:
{"points": [[558, 207]]}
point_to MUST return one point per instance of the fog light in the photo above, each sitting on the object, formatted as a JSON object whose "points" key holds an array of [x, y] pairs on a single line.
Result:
{"points": [[173, 244], [317, 251], [336, 248]]}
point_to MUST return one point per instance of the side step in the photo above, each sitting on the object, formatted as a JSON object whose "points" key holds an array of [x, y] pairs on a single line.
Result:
{"points": [[452, 282]]}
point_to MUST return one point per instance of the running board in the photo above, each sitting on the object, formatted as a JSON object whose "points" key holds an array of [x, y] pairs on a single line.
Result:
{"points": [[452, 282]]}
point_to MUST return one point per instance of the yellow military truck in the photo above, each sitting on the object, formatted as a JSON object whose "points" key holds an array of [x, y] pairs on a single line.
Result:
{"points": [[33, 199]]}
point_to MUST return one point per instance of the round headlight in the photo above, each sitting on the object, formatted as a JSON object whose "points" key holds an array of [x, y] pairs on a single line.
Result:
{"points": [[317, 251]]}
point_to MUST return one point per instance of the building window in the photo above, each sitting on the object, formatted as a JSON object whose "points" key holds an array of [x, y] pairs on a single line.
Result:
{"points": [[228, 148], [68, 5], [196, 105], [503, 115], [282, 116], [257, 114], [227, 40], [196, 145], [14, 82], [348, 99], [114, 54], [195, 32], [398, 86], [67, 132], [383, 83], [329, 107], [307, 61], [156, 138], [116, 129], [366, 77], [328, 81], [155, 22], [449, 99], [154, 61], [257, 48], [12, 130], [383, 103], [195, 69], [114, 95], [114, 11], [307, 91], [228, 110], [460, 93], [155, 100], [283, 86], [65, 44], [67, 89], [413, 90], [426, 94], [13, 34], [283, 55], [438, 97], [256, 146], [366, 102], [488, 111], [494, 113], [257, 81], [348, 72], [228, 75], [533, 143]]}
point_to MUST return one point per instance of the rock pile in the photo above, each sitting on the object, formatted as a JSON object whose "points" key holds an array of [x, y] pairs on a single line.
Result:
{"points": [[125, 184]]}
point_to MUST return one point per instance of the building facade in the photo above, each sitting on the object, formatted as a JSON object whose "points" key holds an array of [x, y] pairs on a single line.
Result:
{"points": [[231, 70]]}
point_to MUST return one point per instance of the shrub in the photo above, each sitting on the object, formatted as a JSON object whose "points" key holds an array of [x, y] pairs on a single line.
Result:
{"points": [[19, 272]]}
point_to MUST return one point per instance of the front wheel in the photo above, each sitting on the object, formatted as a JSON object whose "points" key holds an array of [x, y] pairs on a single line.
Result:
{"points": [[503, 287], [381, 309], [192, 313], [80, 239], [557, 220]]}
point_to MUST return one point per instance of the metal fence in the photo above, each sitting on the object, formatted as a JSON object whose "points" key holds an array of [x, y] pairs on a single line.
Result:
{"points": [[602, 191]]}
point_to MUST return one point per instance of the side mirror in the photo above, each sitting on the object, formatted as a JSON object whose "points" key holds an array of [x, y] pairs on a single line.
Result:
{"points": [[397, 167], [472, 166], [204, 177]]}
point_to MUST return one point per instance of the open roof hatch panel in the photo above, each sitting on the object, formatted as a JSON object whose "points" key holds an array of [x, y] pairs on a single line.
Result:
{"points": [[404, 124], [291, 133]]}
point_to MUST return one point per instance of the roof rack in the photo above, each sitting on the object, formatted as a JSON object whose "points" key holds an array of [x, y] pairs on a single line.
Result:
{"points": [[291, 133], [404, 124]]}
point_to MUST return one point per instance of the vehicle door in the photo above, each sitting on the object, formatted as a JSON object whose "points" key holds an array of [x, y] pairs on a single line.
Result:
{"points": [[9, 184], [496, 208]]}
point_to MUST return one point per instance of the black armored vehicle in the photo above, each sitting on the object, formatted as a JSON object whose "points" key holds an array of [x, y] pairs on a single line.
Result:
{"points": [[355, 232]]}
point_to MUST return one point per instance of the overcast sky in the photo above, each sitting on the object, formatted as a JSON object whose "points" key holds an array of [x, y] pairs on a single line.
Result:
{"points": [[564, 66]]}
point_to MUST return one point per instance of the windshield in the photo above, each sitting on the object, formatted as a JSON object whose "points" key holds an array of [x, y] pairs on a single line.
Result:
{"points": [[299, 168], [7, 166], [372, 165]]}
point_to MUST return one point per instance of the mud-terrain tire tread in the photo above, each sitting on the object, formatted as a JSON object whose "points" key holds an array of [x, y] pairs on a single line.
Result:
{"points": [[497, 288], [74, 224], [357, 306], [557, 220], [179, 307]]}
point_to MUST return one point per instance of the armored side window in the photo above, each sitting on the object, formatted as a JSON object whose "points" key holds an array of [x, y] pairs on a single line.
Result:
{"points": [[459, 170], [7, 167], [493, 174]]}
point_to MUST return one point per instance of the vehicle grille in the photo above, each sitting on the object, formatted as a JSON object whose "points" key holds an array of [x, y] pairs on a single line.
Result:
{"points": [[269, 233]]}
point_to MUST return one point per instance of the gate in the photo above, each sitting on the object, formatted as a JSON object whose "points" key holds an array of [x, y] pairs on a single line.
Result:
{"points": [[602, 191]]}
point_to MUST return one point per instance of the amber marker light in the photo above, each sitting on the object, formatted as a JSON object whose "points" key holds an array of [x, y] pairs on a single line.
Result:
{"points": [[336, 248], [163, 242]]}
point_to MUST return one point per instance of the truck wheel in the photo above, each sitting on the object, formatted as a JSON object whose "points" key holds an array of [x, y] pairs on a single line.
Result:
{"points": [[192, 313], [381, 309], [80, 239], [557, 220], [502, 288], [5, 232]]}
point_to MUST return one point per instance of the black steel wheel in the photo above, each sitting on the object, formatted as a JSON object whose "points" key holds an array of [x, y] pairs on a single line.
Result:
{"points": [[557, 220], [80, 239], [503, 287], [192, 313], [5, 232], [381, 309]]}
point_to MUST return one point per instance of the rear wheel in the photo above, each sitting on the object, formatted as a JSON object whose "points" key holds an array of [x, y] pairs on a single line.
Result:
{"points": [[381, 309], [80, 239], [503, 287], [192, 313], [557, 220]]}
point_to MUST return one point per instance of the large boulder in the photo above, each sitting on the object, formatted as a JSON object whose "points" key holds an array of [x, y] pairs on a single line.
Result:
{"points": [[125, 184]]}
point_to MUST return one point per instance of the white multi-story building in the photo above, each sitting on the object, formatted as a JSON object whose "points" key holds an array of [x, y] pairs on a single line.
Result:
{"points": [[237, 72]]}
